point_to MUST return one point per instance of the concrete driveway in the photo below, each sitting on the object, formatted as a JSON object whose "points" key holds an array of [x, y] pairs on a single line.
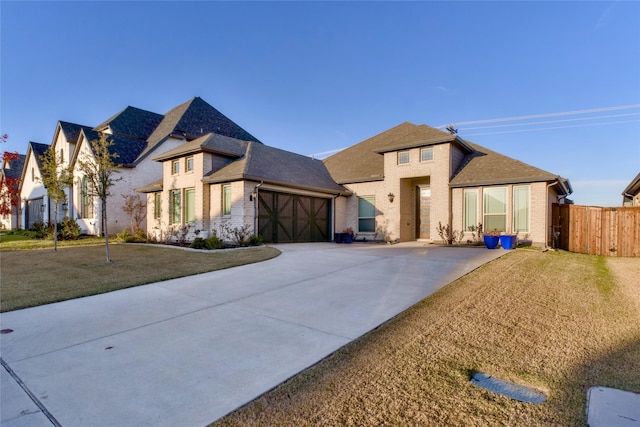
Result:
{"points": [[185, 352]]}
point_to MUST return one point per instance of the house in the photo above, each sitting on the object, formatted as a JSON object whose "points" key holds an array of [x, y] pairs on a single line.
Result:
{"points": [[10, 186], [408, 180], [216, 183], [631, 194], [35, 203], [399, 185]]}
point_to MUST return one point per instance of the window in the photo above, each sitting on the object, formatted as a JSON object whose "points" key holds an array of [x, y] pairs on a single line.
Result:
{"points": [[189, 205], [367, 214], [226, 200], [175, 167], [495, 209], [403, 157], [521, 209], [470, 209], [86, 199], [157, 205], [175, 206], [188, 164], [426, 154], [62, 155]]}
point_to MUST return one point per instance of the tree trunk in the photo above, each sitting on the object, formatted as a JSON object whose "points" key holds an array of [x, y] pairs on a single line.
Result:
{"points": [[105, 231], [55, 226]]}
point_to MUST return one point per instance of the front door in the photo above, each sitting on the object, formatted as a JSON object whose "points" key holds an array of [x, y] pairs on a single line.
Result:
{"points": [[423, 212]]}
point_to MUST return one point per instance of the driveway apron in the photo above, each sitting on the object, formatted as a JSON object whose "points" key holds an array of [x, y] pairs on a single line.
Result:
{"points": [[187, 351]]}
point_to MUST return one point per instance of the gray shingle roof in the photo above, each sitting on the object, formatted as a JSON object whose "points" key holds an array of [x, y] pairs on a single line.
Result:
{"points": [[364, 161], [15, 167], [132, 122], [71, 131], [193, 119], [486, 167], [211, 143], [38, 151], [633, 187], [127, 149], [153, 187], [276, 166]]}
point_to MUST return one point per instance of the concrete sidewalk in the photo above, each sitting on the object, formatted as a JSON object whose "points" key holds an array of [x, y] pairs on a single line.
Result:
{"points": [[188, 351]]}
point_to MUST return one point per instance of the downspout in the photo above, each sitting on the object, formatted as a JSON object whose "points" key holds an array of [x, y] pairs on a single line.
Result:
{"points": [[546, 216], [255, 207]]}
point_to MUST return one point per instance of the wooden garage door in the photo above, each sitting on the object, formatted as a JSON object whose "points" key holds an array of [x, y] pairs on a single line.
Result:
{"points": [[289, 218]]}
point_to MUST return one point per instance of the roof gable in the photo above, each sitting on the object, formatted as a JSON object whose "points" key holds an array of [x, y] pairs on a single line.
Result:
{"points": [[13, 168], [126, 149], [211, 143], [71, 131]]}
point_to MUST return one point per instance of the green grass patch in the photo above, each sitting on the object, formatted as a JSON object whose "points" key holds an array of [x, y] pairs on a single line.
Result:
{"points": [[35, 277]]}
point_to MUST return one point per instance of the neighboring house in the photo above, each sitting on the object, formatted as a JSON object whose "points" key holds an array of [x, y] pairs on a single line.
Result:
{"points": [[631, 194], [136, 135], [396, 186], [35, 202], [10, 176], [411, 178], [216, 183]]}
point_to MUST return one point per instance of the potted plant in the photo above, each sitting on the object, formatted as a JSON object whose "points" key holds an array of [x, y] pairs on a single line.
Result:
{"points": [[491, 239], [347, 235], [508, 241]]}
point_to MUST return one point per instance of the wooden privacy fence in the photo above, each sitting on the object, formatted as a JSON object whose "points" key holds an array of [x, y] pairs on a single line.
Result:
{"points": [[597, 231]]}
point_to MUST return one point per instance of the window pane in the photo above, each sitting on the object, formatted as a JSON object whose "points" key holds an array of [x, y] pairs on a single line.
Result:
{"points": [[367, 225], [366, 207], [175, 167], [157, 205], [403, 157], [521, 209], [175, 207], [426, 154], [495, 200], [226, 200], [494, 222], [189, 164], [190, 205], [470, 208]]}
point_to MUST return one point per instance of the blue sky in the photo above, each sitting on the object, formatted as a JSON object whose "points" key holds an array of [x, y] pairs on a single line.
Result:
{"points": [[310, 77]]}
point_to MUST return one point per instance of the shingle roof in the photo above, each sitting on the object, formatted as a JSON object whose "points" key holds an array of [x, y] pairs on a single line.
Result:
{"points": [[633, 187], [193, 119], [276, 166], [364, 161], [153, 187], [38, 151], [486, 167], [132, 122], [211, 143], [127, 149], [15, 167], [71, 131]]}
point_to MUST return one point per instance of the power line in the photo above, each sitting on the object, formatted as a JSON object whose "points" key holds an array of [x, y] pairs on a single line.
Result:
{"points": [[539, 116], [554, 127], [553, 121]]}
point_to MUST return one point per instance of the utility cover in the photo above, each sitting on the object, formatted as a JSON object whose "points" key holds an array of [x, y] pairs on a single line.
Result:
{"points": [[509, 389]]}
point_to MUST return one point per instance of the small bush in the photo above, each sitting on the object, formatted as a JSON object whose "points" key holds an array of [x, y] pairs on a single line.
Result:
{"points": [[214, 242], [255, 240], [69, 229], [199, 243]]}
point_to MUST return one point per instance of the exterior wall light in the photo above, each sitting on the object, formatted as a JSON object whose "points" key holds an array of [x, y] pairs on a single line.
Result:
{"points": [[391, 197]]}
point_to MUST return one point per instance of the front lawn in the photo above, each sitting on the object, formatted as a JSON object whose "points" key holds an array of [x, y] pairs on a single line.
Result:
{"points": [[35, 277], [556, 321]]}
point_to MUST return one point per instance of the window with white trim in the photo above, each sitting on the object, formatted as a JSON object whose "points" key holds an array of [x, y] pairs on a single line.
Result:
{"points": [[495, 209], [188, 164], [189, 205], [426, 154], [367, 214], [521, 209], [175, 167], [226, 199], [403, 157], [470, 209]]}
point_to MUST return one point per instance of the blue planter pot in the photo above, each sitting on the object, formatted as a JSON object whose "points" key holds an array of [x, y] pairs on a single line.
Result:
{"points": [[507, 241], [339, 237], [347, 237], [491, 242]]}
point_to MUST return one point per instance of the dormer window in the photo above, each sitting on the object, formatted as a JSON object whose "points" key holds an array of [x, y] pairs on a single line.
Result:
{"points": [[175, 167], [403, 158]]}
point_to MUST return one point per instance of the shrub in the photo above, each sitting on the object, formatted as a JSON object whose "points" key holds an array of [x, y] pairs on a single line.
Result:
{"points": [[69, 229], [199, 243], [255, 240], [213, 242]]}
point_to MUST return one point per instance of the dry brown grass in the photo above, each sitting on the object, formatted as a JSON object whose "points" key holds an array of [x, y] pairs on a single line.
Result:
{"points": [[557, 321], [35, 277]]}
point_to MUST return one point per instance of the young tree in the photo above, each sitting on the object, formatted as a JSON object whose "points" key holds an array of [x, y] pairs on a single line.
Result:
{"points": [[55, 177], [100, 170], [9, 187], [135, 209]]}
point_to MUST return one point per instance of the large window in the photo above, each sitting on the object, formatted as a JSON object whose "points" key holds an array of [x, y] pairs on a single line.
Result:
{"points": [[157, 205], [470, 209], [495, 209], [521, 209], [175, 206], [226, 199], [189, 205], [403, 157], [367, 214], [86, 199]]}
